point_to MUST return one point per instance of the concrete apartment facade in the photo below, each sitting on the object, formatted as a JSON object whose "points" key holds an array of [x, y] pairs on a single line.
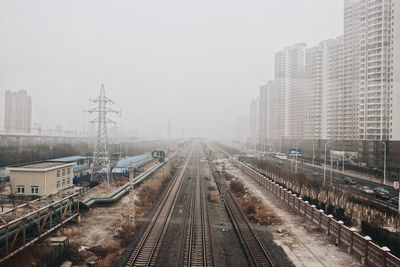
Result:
{"points": [[316, 91], [265, 110], [345, 89], [253, 120], [288, 91], [41, 178], [374, 69], [395, 86], [18, 112]]}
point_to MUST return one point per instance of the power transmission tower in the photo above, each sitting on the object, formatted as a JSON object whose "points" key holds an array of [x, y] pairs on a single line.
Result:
{"points": [[101, 157]]}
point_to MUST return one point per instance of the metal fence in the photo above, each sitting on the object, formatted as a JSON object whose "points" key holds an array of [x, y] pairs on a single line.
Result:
{"points": [[55, 257], [356, 244]]}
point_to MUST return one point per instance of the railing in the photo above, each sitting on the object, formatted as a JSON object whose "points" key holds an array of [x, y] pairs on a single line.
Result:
{"points": [[360, 246], [26, 230]]}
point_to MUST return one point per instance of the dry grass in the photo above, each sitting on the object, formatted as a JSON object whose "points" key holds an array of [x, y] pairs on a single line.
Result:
{"points": [[237, 187], [211, 187], [213, 196], [150, 190], [257, 212], [228, 176], [119, 232]]}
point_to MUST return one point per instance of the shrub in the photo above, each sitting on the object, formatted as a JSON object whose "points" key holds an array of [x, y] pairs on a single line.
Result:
{"points": [[237, 187]]}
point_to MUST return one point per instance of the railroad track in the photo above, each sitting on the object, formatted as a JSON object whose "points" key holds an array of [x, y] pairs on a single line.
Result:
{"points": [[146, 252], [255, 251], [196, 247]]}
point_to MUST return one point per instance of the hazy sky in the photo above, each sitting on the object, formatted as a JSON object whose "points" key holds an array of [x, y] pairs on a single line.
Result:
{"points": [[197, 63]]}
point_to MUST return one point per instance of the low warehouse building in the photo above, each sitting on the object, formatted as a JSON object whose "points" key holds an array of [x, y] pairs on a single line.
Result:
{"points": [[41, 178], [81, 169]]}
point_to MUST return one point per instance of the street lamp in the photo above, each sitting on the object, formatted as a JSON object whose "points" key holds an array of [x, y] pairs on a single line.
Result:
{"points": [[326, 144], [384, 162]]}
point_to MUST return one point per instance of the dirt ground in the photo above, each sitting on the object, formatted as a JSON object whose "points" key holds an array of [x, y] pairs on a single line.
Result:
{"points": [[102, 234], [303, 243]]}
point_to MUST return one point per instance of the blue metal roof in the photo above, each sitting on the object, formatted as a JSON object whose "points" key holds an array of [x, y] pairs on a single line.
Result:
{"points": [[83, 167], [71, 158], [124, 163]]}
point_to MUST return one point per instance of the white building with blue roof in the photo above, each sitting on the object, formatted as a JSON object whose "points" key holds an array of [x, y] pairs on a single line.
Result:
{"points": [[81, 168]]}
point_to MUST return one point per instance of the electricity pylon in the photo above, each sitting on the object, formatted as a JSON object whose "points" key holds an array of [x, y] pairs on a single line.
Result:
{"points": [[101, 164]]}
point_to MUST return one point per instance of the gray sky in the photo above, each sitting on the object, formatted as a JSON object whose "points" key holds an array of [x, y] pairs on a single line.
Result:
{"points": [[196, 62]]}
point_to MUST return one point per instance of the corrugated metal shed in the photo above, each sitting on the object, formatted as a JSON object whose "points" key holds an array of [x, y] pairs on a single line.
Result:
{"points": [[71, 158], [125, 163]]}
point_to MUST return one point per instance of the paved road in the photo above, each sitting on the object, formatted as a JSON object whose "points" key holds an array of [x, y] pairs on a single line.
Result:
{"points": [[318, 173]]}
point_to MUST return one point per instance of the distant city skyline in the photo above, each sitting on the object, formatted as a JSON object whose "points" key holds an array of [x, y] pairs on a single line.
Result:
{"points": [[17, 112], [345, 89], [158, 60]]}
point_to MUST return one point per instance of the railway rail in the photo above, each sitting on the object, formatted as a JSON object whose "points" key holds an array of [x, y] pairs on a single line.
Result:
{"points": [[255, 251], [145, 253], [196, 247]]}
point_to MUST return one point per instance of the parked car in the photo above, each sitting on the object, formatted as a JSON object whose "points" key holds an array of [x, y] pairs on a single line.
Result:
{"points": [[366, 190], [395, 200], [381, 192], [280, 162], [350, 181]]}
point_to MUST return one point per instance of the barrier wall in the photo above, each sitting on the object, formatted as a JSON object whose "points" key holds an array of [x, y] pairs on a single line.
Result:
{"points": [[360, 246]]}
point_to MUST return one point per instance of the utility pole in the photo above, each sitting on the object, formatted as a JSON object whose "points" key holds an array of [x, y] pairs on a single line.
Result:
{"points": [[132, 197], [101, 164]]}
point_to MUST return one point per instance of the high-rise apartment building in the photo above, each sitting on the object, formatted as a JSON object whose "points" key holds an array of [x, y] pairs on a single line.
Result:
{"points": [[289, 86], [18, 112], [370, 27], [280, 95], [338, 114], [264, 124], [394, 133], [296, 60], [253, 120], [345, 89], [316, 91], [374, 59]]}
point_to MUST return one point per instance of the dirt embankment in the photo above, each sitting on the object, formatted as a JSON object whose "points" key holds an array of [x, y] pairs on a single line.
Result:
{"points": [[253, 207], [103, 232]]}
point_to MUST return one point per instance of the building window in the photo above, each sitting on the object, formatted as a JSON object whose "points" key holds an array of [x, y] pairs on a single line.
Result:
{"points": [[68, 181], [63, 183], [58, 173], [20, 189], [68, 170], [34, 190], [63, 172], [58, 184]]}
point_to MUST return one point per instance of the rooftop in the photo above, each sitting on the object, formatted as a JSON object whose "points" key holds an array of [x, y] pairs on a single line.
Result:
{"points": [[129, 162], [68, 159], [42, 165]]}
